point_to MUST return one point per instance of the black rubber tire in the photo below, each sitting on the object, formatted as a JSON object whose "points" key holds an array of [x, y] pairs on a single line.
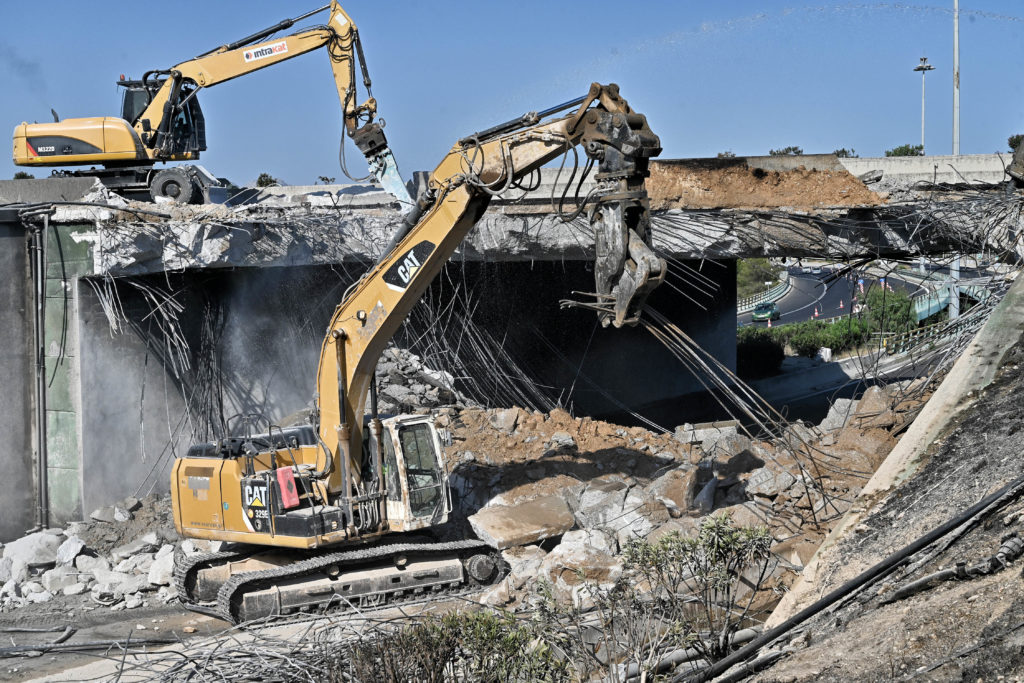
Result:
{"points": [[173, 184]]}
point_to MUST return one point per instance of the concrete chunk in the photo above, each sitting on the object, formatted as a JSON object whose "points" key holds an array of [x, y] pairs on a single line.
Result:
{"points": [[838, 414], [58, 578], [69, 550], [535, 520], [675, 490], [504, 420], [104, 514], [161, 571], [767, 482], [562, 440], [143, 544], [32, 551], [91, 564]]}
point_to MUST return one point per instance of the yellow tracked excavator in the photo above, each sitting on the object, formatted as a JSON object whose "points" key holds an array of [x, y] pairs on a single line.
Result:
{"points": [[161, 119], [340, 511]]}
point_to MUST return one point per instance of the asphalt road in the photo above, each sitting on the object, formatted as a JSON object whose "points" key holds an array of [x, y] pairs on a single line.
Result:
{"points": [[826, 294]]}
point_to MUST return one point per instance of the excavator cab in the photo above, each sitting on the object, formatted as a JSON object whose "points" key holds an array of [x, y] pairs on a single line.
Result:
{"points": [[186, 133], [416, 481]]}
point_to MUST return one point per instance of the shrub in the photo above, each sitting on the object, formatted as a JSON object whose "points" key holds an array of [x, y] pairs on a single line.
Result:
{"points": [[890, 310]]}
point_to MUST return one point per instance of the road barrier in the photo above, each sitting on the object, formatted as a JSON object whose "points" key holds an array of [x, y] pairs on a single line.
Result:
{"points": [[939, 332]]}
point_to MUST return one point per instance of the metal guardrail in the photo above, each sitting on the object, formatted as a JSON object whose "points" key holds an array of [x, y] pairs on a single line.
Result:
{"points": [[748, 303], [908, 341]]}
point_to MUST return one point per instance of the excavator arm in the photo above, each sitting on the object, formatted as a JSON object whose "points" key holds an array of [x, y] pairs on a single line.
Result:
{"points": [[611, 134]]}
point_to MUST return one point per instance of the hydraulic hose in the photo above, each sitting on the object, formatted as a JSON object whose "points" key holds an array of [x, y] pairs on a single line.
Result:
{"points": [[1008, 492]]}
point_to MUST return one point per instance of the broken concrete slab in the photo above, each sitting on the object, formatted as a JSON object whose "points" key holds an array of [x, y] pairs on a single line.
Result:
{"points": [[840, 412], [162, 569], [874, 401], [143, 544], [529, 522], [104, 514], [92, 564], [31, 552], [675, 489], [136, 564], [704, 431], [745, 515], [505, 420], [575, 563], [69, 550], [726, 445], [57, 579], [641, 512], [524, 563], [600, 503], [769, 482], [76, 588], [562, 440], [6, 569]]}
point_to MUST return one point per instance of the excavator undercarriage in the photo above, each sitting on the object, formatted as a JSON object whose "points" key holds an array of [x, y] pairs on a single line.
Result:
{"points": [[250, 583]]}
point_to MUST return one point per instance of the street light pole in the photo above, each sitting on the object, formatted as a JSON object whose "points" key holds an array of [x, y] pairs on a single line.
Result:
{"points": [[956, 77], [924, 67]]}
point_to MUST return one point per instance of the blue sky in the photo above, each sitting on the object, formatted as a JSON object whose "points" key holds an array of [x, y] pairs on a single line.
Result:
{"points": [[711, 76]]}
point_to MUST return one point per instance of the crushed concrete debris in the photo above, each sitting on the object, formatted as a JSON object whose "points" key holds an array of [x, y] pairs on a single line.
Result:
{"points": [[562, 497]]}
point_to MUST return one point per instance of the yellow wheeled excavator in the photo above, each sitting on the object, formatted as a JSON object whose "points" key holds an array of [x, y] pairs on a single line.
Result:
{"points": [[161, 119], [340, 511]]}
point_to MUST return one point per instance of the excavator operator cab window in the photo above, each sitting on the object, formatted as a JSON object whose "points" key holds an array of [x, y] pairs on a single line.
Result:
{"points": [[134, 102], [390, 466], [422, 467]]}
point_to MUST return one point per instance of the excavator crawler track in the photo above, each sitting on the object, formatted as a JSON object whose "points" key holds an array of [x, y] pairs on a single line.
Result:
{"points": [[262, 587]]}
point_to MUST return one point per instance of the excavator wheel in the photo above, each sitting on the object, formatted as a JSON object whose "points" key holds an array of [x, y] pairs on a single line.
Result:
{"points": [[173, 184]]}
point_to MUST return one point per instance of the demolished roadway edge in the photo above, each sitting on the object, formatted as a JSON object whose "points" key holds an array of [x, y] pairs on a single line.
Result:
{"points": [[972, 372]]}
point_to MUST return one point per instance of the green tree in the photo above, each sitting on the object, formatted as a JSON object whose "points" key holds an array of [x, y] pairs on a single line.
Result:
{"points": [[326, 180], [752, 273], [906, 151], [267, 180], [727, 154], [890, 310], [792, 150], [1014, 140], [846, 153], [22, 175]]}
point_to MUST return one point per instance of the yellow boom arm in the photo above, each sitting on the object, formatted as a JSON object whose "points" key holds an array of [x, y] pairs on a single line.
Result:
{"points": [[341, 38], [462, 186]]}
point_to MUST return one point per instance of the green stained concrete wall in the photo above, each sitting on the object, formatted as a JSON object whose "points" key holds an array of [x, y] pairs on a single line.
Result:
{"points": [[66, 260]]}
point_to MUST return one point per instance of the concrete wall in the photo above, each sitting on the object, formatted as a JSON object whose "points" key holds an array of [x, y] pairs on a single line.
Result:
{"points": [[133, 416], [32, 190], [17, 483], [966, 168]]}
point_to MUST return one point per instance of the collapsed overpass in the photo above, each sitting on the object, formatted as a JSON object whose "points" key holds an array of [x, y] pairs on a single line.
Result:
{"points": [[161, 322]]}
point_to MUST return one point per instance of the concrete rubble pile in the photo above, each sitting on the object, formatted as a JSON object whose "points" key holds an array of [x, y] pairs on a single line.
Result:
{"points": [[560, 496], [79, 560]]}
